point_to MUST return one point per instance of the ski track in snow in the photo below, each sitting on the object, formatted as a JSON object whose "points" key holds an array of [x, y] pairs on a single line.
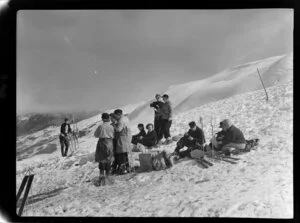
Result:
{"points": [[260, 185]]}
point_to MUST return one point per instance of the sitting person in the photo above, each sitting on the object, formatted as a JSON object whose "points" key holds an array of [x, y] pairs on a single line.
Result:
{"points": [[193, 139], [136, 137], [233, 138], [150, 139]]}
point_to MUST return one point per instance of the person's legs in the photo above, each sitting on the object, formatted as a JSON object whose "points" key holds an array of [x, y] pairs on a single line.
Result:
{"points": [[167, 127], [62, 145], [67, 144], [147, 143], [118, 160], [126, 160], [185, 153], [159, 129], [180, 144], [232, 146]]}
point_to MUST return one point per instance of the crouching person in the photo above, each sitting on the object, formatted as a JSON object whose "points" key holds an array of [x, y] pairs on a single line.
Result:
{"points": [[193, 139], [233, 138], [104, 150]]}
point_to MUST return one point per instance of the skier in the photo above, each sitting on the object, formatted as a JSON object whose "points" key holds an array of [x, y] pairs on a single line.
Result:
{"points": [[136, 137], [233, 138], [104, 150], [150, 139], [123, 142], [166, 119], [193, 139], [157, 105], [65, 130]]}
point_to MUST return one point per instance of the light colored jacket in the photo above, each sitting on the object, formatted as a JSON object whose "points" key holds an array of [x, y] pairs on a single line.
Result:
{"points": [[104, 131], [123, 136]]}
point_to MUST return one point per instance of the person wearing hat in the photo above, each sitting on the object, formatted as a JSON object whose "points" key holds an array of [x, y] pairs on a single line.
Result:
{"points": [[150, 138], [233, 137], [104, 154], [193, 139], [123, 143], [65, 129], [157, 105]]}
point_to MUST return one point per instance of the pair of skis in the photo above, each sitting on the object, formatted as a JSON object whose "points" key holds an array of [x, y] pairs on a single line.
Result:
{"points": [[203, 162], [74, 137], [27, 181], [227, 159]]}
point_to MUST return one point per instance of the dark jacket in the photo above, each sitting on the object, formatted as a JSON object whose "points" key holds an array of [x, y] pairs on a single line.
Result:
{"points": [[158, 105], [166, 110], [233, 135], [150, 139], [63, 129], [220, 135], [198, 135], [135, 138], [141, 133]]}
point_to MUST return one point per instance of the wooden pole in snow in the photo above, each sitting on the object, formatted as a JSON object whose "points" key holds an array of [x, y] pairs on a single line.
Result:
{"points": [[263, 84]]}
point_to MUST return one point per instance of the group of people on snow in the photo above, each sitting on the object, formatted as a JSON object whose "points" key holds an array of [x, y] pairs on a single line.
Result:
{"points": [[115, 139]]}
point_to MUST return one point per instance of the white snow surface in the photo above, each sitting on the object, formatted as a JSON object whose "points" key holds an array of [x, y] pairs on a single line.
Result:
{"points": [[259, 186]]}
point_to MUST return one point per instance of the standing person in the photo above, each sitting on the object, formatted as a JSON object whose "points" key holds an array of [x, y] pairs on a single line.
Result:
{"points": [[123, 142], [65, 130], [166, 118], [113, 122], [193, 139], [104, 150], [157, 105]]}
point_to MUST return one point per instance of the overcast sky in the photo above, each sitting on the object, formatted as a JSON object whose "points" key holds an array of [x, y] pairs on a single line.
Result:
{"points": [[74, 60]]}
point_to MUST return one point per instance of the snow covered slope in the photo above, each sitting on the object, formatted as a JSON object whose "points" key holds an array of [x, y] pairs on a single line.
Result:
{"points": [[260, 185], [232, 81], [236, 80]]}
